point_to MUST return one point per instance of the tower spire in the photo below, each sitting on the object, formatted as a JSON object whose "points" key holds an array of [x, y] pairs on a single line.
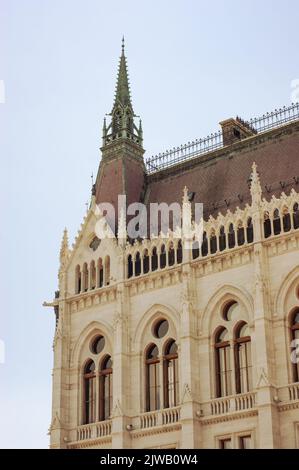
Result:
{"points": [[122, 93], [122, 115]]}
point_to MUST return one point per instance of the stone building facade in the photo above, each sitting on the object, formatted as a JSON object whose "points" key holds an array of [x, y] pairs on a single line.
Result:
{"points": [[159, 346]]}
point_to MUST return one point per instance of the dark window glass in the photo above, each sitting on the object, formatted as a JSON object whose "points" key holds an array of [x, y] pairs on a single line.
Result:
{"points": [[98, 344], [161, 328]]}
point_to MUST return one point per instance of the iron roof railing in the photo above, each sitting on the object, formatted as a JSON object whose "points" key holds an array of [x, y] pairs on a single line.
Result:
{"points": [[190, 150]]}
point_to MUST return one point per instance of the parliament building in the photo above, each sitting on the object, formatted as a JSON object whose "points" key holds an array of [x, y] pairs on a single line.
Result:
{"points": [[159, 346]]}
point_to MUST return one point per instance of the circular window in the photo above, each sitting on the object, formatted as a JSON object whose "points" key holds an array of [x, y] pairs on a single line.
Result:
{"points": [[98, 345], [161, 328], [230, 310]]}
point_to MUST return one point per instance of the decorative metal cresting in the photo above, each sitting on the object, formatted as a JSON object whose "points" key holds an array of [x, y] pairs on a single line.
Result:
{"points": [[197, 147]]}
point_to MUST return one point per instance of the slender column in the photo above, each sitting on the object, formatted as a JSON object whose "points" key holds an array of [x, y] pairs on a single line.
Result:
{"points": [[121, 365]]}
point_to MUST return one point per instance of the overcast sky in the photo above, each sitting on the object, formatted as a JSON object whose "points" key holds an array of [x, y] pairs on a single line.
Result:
{"points": [[191, 63]]}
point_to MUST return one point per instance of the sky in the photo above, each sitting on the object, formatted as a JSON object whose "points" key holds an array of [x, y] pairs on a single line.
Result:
{"points": [[192, 63]]}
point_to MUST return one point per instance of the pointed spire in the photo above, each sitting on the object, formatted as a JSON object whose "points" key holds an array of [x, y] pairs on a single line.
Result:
{"points": [[122, 94], [255, 185], [122, 125], [64, 250]]}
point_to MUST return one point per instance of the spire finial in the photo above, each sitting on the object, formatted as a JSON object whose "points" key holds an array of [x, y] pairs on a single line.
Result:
{"points": [[123, 45], [64, 249], [255, 185]]}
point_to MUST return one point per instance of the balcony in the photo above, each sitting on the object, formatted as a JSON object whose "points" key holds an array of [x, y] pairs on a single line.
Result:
{"points": [[94, 430], [229, 404], [288, 397], [164, 417]]}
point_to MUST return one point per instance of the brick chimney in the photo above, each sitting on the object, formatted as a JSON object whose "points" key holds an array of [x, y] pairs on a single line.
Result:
{"points": [[235, 129]]}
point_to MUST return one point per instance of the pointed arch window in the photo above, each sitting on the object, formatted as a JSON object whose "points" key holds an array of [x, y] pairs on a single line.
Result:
{"points": [[107, 270], [231, 236], [296, 215], [204, 245], [146, 266], [92, 270], [78, 280], [276, 222], [137, 264], [222, 239], [154, 259], [171, 375], [295, 337], [267, 225], [130, 267], [195, 250], [179, 252], [213, 242], [240, 234], [105, 405], [171, 254], [152, 386], [243, 362], [100, 273], [286, 221], [89, 391], [222, 363], [85, 277], [249, 230], [162, 257]]}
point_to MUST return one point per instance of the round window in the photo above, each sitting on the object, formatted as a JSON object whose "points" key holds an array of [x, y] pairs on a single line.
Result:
{"points": [[161, 328], [98, 345]]}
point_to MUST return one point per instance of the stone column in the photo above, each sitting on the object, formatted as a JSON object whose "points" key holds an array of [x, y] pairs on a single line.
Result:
{"points": [[121, 362], [189, 366], [60, 398], [268, 419]]}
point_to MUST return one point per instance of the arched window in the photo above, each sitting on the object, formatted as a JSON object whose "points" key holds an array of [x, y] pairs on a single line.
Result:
{"points": [[154, 259], [107, 270], [179, 252], [222, 364], [100, 273], [230, 310], [152, 386], [137, 264], [171, 375], [296, 215], [243, 363], [204, 245], [276, 222], [171, 254], [85, 277], [222, 239], [240, 234], [89, 393], [286, 221], [213, 242], [249, 230], [105, 405], [267, 225], [231, 236], [162, 257], [92, 270], [130, 266], [295, 336], [78, 280], [195, 250], [145, 261]]}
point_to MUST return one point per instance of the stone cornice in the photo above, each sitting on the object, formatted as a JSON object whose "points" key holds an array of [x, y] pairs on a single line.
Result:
{"points": [[155, 430], [90, 442], [228, 417]]}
